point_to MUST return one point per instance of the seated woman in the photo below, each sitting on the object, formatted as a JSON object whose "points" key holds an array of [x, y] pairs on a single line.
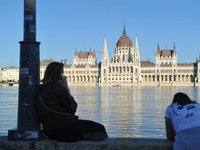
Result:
{"points": [[56, 109], [182, 119]]}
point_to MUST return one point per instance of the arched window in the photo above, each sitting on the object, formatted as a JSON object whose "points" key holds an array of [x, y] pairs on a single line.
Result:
{"points": [[81, 78], [109, 69], [124, 69], [131, 69], [149, 78], [113, 69], [157, 77], [183, 77], [165, 77], [127, 69], [170, 78], [146, 78]]}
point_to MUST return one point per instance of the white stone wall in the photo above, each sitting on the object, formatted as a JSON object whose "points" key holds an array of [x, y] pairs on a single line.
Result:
{"points": [[1, 74], [121, 73], [126, 74], [124, 67], [198, 72], [166, 60], [10, 73], [82, 74], [177, 74], [42, 71]]}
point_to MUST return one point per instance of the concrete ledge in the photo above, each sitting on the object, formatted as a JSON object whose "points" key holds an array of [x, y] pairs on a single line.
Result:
{"points": [[108, 144]]}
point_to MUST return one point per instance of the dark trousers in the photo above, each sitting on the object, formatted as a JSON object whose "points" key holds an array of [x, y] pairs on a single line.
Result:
{"points": [[82, 130]]}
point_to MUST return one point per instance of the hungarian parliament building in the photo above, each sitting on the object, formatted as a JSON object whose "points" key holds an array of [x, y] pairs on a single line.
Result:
{"points": [[126, 69]]}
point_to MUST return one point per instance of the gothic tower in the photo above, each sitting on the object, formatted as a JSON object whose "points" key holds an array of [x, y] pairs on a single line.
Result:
{"points": [[105, 59], [136, 62], [136, 52], [104, 63]]}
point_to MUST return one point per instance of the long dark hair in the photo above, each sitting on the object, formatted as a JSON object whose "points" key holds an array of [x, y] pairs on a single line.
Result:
{"points": [[182, 99], [53, 72]]}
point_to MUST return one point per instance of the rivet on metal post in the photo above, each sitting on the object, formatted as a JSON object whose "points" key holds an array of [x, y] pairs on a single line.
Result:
{"points": [[28, 125]]}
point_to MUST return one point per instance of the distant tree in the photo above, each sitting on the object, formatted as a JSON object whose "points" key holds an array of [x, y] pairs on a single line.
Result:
{"points": [[3, 81]]}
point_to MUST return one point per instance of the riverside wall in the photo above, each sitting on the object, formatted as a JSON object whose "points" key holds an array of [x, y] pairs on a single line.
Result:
{"points": [[145, 84], [108, 144]]}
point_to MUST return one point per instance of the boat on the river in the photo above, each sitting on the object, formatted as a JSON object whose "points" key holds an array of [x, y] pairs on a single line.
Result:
{"points": [[117, 85]]}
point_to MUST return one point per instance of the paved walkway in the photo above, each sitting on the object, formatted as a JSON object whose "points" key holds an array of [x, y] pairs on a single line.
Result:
{"points": [[108, 144]]}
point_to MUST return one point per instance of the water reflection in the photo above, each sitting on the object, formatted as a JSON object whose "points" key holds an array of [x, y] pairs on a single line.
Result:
{"points": [[129, 111], [8, 108], [125, 111]]}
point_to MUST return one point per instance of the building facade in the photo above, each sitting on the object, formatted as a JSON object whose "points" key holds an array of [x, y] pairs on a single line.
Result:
{"points": [[10, 74], [1, 76], [167, 72], [126, 69], [84, 70]]}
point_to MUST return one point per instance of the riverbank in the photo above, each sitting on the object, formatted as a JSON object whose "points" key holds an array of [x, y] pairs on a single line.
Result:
{"points": [[14, 84], [108, 144], [144, 84], [162, 84]]}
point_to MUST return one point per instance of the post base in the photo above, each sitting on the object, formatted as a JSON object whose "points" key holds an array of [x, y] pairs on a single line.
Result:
{"points": [[24, 135]]}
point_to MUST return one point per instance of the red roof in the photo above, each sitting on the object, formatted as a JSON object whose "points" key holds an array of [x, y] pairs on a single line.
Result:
{"points": [[83, 55], [146, 63], [167, 53], [45, 62], [186, 64], [124, 41]]}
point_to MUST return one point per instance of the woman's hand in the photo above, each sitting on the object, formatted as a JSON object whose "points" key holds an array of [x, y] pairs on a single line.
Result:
{"points": [[170, 132], [64, 83]]}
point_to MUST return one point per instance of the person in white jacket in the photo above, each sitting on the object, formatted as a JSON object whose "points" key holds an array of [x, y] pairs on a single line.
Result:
{"points": [[182, 121]]}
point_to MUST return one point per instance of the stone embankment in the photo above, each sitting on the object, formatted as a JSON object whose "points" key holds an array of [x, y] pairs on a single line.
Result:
{"points": [[108, 144]]}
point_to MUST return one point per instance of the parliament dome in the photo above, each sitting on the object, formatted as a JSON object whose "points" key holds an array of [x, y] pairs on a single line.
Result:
{"points": [[124, 40]]}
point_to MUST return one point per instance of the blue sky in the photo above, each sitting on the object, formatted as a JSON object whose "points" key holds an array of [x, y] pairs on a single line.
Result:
{"points": [[63, 25]]}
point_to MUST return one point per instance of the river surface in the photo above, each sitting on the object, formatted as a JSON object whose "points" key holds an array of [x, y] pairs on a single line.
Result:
{"points": [[124, 111]]}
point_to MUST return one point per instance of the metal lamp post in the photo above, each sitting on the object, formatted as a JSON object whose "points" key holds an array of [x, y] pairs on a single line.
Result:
{"points": [[28, 126]]}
